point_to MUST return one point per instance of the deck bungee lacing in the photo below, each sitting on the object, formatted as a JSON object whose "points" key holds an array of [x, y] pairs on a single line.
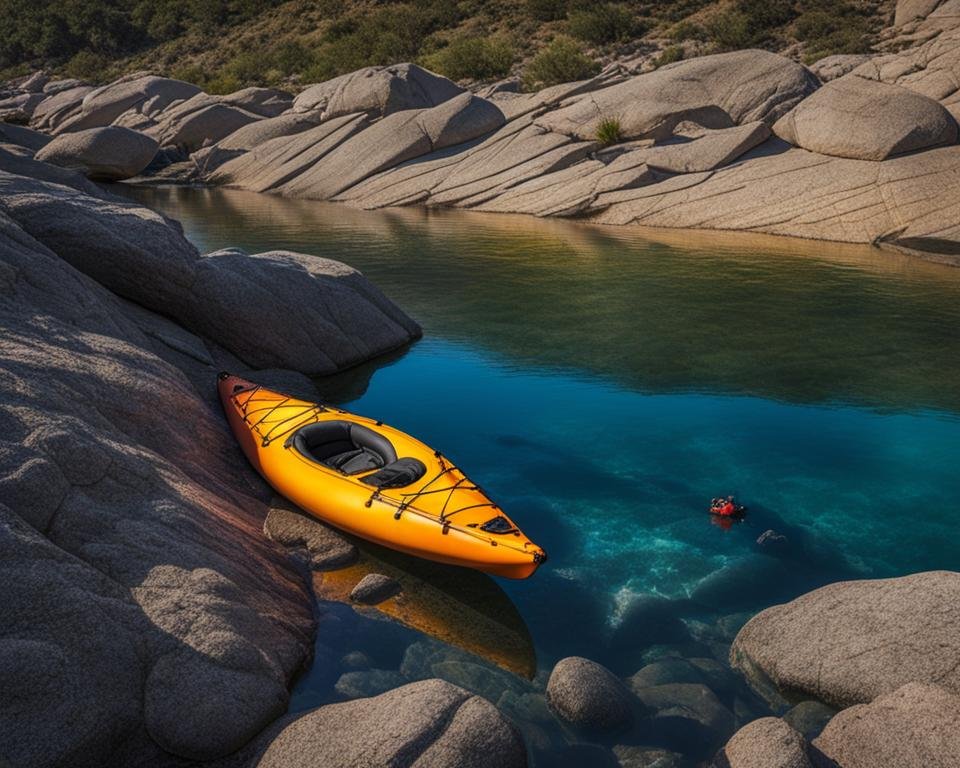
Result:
{"points": [[277, 429]]}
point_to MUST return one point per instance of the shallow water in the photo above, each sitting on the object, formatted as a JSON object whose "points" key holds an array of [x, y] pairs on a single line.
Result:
{"points": [[602, 384]]}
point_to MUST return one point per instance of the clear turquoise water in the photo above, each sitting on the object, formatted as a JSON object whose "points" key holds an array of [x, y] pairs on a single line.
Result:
{"points": [[602, 385]]}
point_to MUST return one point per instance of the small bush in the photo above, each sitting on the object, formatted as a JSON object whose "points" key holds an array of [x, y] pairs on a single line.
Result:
{"points": [[766, 15], [473, 58], [547, 10], [87, 65], [680, 9], [604, 23], [669, 55], [609, 131], [829, 28], [561, 61], [687, 30], [730, 30]]}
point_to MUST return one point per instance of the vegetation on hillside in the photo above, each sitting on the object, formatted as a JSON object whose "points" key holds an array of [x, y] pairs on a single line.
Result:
{"points": [[229, 44]]}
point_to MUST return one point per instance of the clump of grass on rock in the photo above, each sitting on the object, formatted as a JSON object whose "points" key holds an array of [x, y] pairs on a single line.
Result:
{"points": [[562, 61], [609, 131]]}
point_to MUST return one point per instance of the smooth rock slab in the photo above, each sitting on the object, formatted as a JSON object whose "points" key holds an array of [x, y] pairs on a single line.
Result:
{"points": [[850, 642], [589, 696], [716, 91], [765, 743], [904, 201], [866, 120], [916, 726], [110, 154]]}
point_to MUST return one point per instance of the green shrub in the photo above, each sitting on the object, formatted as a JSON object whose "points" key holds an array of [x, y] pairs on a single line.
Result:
{"points": [[829, 28], [687, 30], [561, 61], [680, 9], [473, 58], [604, 23], [547, 10], [730, 30], [766, 15], [609, 131], [86, 65], [669, 55]]}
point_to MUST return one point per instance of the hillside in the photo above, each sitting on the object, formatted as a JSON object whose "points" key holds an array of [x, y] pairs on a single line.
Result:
{"points": [[224, 45]]}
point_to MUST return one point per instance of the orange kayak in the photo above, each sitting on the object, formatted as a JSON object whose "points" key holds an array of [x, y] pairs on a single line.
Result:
{"points": [[374, 481]]}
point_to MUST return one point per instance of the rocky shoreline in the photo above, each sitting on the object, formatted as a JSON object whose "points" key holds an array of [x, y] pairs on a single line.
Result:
{"points": [[159, 604], [125, 504]]}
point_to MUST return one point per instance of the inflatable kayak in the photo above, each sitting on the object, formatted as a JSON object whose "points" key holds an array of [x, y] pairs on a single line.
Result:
{"points": [[374, 481]]}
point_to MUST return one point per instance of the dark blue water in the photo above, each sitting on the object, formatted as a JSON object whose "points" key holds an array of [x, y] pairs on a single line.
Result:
{"points": [[604, 385]]}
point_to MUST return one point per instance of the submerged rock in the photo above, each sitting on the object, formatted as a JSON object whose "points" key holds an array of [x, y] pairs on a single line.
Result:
{"points": [[850, 642], [689, 714], [322, 547], [809, 718], [111, 153], [916, 726], [374, 588], [431, 723], [589, 696]]}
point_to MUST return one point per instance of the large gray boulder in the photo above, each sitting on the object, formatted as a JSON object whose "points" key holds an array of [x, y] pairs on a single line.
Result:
{"points": [[282, 309], [850, 642], [916, 726], [272, 310], [765, 743], [866, 120], [103, 105], [109, 153], [716, 91], [589, 696], [431, 724], [379, 91]]}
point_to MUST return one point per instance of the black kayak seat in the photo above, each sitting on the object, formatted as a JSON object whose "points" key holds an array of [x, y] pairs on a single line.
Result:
{"points": [[344, 446], [397, 474]]}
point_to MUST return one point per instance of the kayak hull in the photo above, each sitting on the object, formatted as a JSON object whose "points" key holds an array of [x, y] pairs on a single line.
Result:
{"points": [[439, 517]]}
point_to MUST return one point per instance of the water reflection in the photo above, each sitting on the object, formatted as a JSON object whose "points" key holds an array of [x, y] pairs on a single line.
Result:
{"points": [[658, 311]]}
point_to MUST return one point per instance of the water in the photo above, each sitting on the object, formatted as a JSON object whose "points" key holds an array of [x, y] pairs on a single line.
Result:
{"points": [[603, 384]]}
